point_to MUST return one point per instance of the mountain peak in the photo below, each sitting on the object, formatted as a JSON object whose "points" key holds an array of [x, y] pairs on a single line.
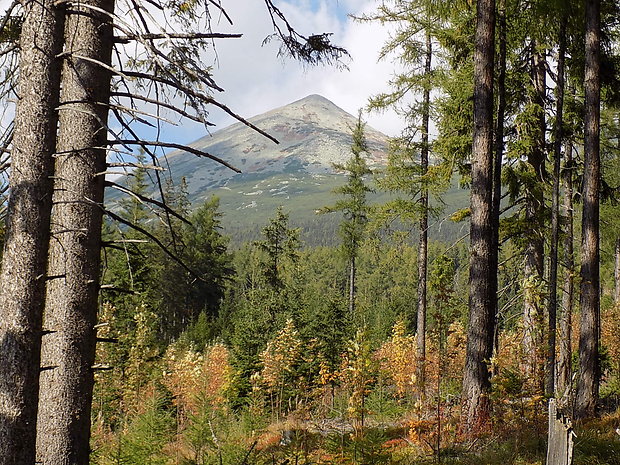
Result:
{"points": [[312, 104], [314, 98], [314, 134]]}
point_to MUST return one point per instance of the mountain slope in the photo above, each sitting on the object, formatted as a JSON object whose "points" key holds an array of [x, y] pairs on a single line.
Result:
{"points": [[313, 134], [297, 173]]}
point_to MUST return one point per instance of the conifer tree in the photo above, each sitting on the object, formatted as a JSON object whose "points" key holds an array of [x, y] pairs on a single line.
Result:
{"points": [[353, 204], [589, 336], [407, 173], [24, 259], [476, 379], [65, 398]]}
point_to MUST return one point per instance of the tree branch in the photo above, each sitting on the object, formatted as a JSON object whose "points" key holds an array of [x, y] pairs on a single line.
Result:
{"points": [[124, 39], [171, 145]]}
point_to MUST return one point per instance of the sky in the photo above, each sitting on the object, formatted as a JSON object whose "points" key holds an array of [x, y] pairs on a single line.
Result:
{"points": [[256, 80]]}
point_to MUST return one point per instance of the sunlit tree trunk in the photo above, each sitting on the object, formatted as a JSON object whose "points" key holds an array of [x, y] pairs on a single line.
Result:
{"points": [[499, 154], [71, 308], [564, 368], [423, 241], [352, 286], [534, 218], [23, 276], [555, 213], [617, 271], [589, 302], [476, 378]]}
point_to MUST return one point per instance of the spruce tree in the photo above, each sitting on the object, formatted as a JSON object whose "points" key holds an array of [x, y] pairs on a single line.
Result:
{"points": [[353, 204]]}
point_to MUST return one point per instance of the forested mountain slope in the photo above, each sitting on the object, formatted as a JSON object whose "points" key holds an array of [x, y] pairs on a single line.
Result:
{"points": [[297, 173]]}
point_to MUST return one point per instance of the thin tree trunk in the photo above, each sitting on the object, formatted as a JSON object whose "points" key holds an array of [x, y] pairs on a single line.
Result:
{"points": [[566, 319], [71, 308], [534, 217], [22, 280], [423, 242], [617, 272], [589, 302], [555, 212], [476, 378], [352, 286], [497, 163]]}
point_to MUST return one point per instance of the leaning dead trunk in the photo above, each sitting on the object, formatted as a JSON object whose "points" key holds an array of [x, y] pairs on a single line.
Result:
{"points": [[22, 281], [71, 309]]}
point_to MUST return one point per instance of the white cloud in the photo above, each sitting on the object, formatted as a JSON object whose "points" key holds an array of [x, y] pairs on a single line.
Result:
{"points": [[256, 80]]}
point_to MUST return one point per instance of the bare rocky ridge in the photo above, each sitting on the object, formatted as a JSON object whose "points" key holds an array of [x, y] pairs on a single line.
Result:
{"points": [[313, 134], [297, 173]]}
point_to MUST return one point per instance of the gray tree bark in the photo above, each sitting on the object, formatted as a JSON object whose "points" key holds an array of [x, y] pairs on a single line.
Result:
{"points": [[560, 437], [555, 213], [589, 302], [476, 378], [534, 217], [423, 241], [71, 309], [22, 280], [617, 271], [564, 369]]}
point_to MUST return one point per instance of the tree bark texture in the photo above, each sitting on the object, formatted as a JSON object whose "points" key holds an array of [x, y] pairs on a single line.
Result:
{"points": [[352, 286], [555, 214], [589, 302], [534, 219], [497, 162], [476, 378], [71, 308], [423, 240], [617, 271], [564, 368], [22, 280]]}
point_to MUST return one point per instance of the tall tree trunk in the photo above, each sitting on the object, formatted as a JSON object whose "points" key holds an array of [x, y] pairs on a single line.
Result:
{"points": [[617, 271], [423, 242], [22, 280], [566, 319], [71, 308], [497, 162], [555, 212], [589, 302], [476, 379], [534, 218], [352, 286]]}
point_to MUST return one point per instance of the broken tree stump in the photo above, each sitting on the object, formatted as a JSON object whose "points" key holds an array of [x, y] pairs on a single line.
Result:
{"points": [[560, 437]]}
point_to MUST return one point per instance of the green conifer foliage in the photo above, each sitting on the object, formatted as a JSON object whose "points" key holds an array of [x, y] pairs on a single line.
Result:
{"points": [[353, 203]]}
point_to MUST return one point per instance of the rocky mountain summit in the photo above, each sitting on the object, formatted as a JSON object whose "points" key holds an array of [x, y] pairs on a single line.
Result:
{"points": [[297, 173], [313, 134]]}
